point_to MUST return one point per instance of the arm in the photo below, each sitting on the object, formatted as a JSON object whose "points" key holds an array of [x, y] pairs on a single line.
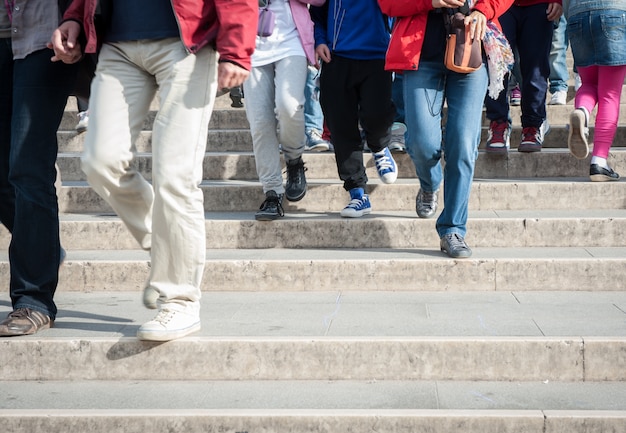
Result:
{"points": [[236, 36]]}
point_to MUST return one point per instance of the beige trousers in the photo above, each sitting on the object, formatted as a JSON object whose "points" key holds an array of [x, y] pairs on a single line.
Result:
{"points": [[167, 216]]}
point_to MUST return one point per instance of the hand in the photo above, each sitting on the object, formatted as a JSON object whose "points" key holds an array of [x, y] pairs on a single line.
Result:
{"points": [[230, 75], [323, 52], [64, 42], [448, 4], [554, 11], [477, 24]]}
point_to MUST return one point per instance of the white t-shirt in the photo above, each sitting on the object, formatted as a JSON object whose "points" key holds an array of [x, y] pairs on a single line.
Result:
{"points": [[284, 40]]}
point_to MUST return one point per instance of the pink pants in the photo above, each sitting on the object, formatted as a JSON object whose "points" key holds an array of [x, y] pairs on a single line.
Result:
{"points": [[602, 85]]}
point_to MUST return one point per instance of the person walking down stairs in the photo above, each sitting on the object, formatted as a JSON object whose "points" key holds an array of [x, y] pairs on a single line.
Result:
{"points": [[275, 94], [169, 48], [33, 94], [422, 61], [597, 30], [351, 38]]}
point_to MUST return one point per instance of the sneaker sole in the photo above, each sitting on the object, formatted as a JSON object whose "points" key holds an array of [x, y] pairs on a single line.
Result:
{"points": [[318, 148], [459, 255], [576, 140], [529, 148], [497, 150], [266, 217], [296, 198], [351, 213], [602, 178], [167, 335]]}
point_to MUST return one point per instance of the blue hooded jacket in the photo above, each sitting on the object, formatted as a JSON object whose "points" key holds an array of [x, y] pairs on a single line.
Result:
{"points": [[355, 29]]}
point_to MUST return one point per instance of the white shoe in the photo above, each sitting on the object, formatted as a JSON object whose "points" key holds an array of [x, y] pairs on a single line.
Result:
{"points": [[577, 82], [83, 121], [150, 297], [558, 98], [169, 325], [578, 136]]}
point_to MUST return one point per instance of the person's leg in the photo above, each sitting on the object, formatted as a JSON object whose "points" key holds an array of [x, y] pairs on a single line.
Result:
{"points": [[40, 91], [120, 100], [7, 192], [397, 91], [291, 75], [610, 82], [187, 88], [464, 95], [498, 109], [376, 108], [339, 100], [313, 116], [260, 91], [423, 107], [534, 40], [558, 63]]}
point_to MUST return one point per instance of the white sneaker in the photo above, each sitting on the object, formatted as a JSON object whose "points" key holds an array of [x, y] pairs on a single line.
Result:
{"points": [[169, 325], [558, 98], [578, 135], [577, 82], [83, 121], [397, 145]]}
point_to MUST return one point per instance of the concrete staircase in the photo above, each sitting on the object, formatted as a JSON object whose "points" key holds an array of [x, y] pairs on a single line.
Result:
{"points": [[313, 323]]}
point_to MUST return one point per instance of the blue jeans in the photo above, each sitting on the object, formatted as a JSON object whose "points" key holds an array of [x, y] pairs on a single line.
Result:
{"points": [[425, 91], [33, 94], [313, 116], [558, 65], [598, 37]]}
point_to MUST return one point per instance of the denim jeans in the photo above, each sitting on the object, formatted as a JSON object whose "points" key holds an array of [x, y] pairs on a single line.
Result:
{"points": [[598, 37], [313, 116], [558, 64], [425, 91], [33, 94]]}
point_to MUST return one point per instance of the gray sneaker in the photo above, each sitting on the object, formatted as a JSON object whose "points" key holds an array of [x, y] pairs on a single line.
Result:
{"points": [[426, 203], [454, 246]]}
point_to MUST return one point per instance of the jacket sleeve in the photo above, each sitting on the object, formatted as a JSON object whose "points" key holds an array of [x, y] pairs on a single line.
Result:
{"points": [[492, 9], [236, 37], [319, 15], [405, 8]]}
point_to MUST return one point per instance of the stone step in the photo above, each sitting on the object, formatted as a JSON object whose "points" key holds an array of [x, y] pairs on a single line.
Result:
{"points": [[388, 269], [241, 165], [314, 407], [239, 140], [232, 230], [329, 196], [316, 421], [336, 335]]}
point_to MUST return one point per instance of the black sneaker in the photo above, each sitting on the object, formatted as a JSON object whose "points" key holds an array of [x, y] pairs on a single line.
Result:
{"points": [[271, 208], [426, 203], [454, 246], [296, 181], [598, 173]]}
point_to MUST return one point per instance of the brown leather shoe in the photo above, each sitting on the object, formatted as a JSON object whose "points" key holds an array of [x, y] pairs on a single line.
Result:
{"points": [[24, 321]]}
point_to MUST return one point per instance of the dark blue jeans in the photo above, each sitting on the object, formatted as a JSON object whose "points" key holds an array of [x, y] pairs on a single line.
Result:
{"points": [[33, 94], [530, 33]]}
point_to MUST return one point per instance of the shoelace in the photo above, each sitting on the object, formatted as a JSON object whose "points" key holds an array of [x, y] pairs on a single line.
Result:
{"points": [[383, 163], [497, 132], [272, 200], [456, 242], [356, 203], [530, 133], [164, 317], [295, 173], [427, 199]]}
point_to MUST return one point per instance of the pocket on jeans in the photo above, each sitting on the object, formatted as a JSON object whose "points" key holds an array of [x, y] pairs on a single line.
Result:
{"points": [[614, 26]]}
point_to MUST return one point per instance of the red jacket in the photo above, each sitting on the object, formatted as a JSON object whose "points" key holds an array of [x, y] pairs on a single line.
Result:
{"points": [[407, 38], [229, 25]]}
